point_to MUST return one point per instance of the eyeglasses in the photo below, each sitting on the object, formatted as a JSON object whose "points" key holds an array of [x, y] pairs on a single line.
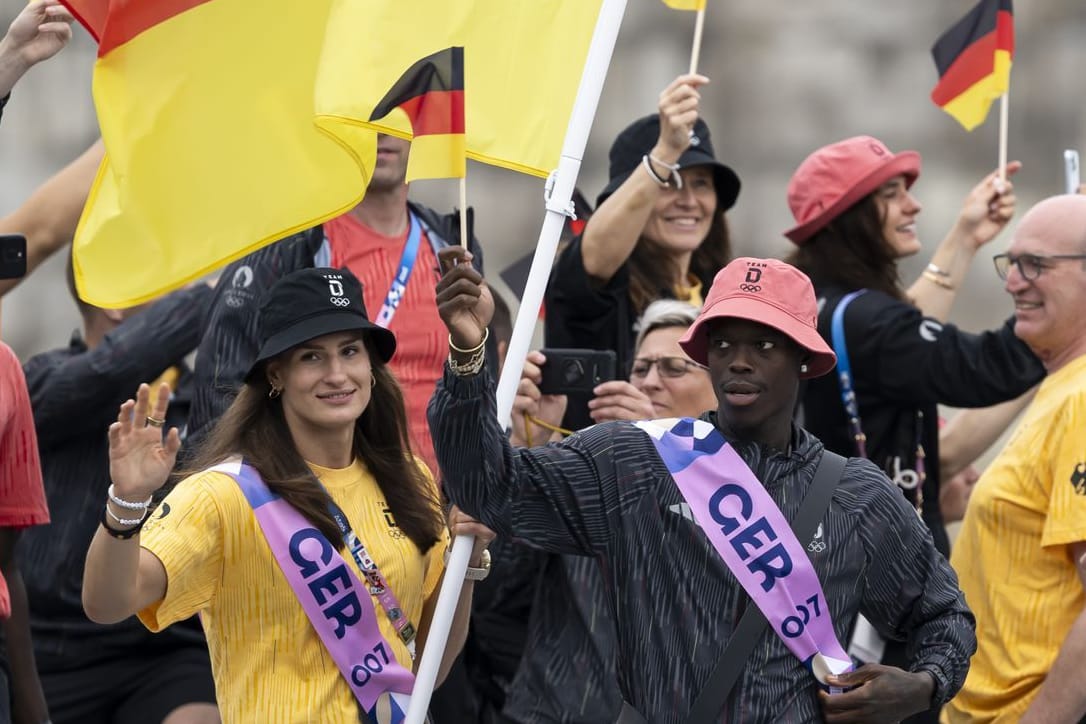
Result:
{"points": [[1030, 266], [669, 366]]}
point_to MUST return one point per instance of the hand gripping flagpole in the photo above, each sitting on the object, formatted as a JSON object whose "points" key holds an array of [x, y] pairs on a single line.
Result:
{"points": [[558, 203]]}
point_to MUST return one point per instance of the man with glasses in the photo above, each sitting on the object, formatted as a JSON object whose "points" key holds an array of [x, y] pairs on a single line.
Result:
{"points": [[1021, 554]]}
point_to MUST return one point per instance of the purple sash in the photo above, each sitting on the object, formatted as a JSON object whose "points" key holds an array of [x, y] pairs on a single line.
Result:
{"points": [[336, 602], [753, 538]]}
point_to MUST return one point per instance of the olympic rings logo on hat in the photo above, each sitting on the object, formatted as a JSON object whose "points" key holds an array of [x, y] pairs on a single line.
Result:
{"points": [[340, 301], [750, 288]]}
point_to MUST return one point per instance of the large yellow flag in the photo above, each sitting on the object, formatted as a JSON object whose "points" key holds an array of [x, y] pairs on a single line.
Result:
{"points": [[206, 111], [522, 63], [685, 4]]}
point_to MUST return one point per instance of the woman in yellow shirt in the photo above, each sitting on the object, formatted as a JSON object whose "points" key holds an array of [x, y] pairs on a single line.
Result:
{"points": [[310, 540]]}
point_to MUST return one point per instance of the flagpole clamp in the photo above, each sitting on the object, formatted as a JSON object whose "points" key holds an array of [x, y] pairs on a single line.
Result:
{"points": [[548, 190]]}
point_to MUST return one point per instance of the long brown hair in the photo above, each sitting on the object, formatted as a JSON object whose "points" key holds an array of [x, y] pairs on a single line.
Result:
{"points": [[852, 252], [652, 270], [255, 428]]}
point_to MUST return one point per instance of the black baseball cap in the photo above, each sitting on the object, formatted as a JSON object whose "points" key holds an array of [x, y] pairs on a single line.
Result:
{"points": [[311, 303], [638, 138]]}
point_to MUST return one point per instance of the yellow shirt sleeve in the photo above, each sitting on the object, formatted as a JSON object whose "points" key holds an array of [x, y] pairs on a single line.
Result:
{"points": [[1065, 521], [186, 533]]}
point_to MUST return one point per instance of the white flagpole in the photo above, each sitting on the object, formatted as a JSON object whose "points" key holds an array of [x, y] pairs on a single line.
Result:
{"points": [[695, 50], [557, 202], [464, 209], [1003, 115]]}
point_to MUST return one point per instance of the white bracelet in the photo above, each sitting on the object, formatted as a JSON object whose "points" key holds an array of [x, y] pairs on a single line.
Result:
{"points": [[128, 505], [673, 169], [661, 182], [126, 521], [936, 270]]}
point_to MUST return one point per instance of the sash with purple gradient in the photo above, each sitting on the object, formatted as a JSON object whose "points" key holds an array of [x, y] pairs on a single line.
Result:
{"points": [[335, 601], [753, 538]]}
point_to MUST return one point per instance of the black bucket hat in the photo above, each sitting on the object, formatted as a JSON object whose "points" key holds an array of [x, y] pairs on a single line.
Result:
{"points": [[311, 303], [638, 138]]}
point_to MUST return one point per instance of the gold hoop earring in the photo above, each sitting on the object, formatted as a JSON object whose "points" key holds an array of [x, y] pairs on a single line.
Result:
{"points": [[373, 382], [274, 392]]}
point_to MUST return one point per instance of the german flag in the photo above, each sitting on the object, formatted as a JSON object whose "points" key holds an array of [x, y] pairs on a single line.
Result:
{"points": [[211, 149], [431, 93], [685, 4], [974, 62]]}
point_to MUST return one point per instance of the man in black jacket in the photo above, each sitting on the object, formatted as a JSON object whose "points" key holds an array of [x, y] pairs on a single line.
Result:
{"points": [[608, 492]]}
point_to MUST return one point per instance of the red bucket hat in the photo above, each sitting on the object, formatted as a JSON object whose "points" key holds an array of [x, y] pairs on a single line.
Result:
{"points": [[835, 177], [769, 292]]}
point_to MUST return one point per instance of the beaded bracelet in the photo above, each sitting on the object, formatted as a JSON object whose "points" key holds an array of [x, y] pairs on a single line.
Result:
{"points": [[127, 504], [119, 533], [125, 521]]}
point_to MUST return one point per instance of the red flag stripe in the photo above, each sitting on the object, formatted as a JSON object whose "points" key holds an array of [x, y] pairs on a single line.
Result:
{"points": [[115, 23], [436, 112], [974, 64]]}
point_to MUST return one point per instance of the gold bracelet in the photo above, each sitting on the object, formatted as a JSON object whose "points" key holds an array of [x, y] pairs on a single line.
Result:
{"points": [[937, 280], [474, 362], [473, 350]]}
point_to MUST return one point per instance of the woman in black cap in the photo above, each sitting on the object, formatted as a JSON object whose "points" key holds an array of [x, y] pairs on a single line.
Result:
{"points": [[305, 620], [659, 232]]}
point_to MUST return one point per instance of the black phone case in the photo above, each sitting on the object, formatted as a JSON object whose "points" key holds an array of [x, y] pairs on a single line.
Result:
{"points": [[572, 371]]}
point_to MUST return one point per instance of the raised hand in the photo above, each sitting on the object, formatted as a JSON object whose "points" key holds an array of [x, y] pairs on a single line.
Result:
{"points": [[39, 32], [988, 207], [140, 458], [678, 113], [463, 298], [877, 694], [530, 401], [619, 400]]}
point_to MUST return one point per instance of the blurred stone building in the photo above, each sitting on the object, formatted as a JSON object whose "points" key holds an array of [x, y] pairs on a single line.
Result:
{"points": [[787, 77]]}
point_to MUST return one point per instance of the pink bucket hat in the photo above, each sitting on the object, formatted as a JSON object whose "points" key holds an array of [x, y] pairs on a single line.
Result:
{"points": [[769, 292], [835, 177]]}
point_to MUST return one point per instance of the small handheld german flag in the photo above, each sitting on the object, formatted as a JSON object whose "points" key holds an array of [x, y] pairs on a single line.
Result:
{"points": [[974, 62], [431, 93]]}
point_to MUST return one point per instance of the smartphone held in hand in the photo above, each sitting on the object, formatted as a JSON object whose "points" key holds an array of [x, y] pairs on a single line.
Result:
{"points": [[571, 371]]}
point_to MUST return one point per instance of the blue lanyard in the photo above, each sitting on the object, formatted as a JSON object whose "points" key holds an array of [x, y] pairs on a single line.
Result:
{"points": [[398, 287], [378, 586], [844, 373]]}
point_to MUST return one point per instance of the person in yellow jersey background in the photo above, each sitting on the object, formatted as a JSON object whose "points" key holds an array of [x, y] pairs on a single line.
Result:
{"points": [[1021, 553]]}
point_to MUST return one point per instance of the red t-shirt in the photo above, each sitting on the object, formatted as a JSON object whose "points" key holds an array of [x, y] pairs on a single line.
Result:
{"points": [[22, 496], [422, 342]]}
